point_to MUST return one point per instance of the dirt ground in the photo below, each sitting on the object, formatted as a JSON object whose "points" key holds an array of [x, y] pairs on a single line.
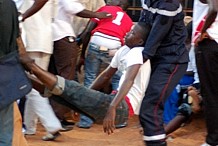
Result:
{"points": [[192, 134]]}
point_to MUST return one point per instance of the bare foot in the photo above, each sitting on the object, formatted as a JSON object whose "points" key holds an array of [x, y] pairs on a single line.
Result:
{"points": [[196, 100]]}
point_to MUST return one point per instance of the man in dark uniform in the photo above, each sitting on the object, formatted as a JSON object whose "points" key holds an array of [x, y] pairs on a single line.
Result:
{"points": [[165, 47]]}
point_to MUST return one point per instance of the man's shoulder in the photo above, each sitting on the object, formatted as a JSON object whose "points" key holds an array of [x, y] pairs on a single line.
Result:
{"points": [[110, 8], [169, 5], [140, 49]]}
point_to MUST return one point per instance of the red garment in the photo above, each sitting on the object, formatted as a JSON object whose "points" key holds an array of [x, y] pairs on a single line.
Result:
{"points": [[197, 32], [131, 112], [117, 26]]}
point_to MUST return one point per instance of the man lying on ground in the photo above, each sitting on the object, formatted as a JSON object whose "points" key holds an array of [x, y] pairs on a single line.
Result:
{"points": [[113, 109]]}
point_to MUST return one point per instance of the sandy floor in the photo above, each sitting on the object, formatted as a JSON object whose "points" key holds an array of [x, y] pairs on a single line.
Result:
{"points": [[192, 134]]}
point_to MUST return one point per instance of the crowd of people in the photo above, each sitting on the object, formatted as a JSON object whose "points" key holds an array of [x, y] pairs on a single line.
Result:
{"points": [[157, 68]]}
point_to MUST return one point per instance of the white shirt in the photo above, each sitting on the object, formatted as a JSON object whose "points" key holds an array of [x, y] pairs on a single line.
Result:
{"points": [[62, 26], [126, 57], [38, 27], [18, 3], [192, 64], [199, 13]]}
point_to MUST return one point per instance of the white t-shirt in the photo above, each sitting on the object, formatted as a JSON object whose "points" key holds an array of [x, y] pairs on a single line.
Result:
{"points": [[192, 64], [62, 25], [38, 27], [126, 57], [199, 13], [18, 3]]}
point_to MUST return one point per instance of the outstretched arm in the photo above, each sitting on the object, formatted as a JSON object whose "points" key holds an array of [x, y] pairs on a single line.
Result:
{"points": [[90, 14], [108, 124], [103, 78], [48, 79]]}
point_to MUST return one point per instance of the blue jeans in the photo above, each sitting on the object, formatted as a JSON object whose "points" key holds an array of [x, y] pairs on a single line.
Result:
{"points": [[91, 102], [6, 125], [95, 61]]}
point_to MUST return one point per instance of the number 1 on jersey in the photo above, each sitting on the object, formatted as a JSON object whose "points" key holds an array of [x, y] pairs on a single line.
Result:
{"points": [[118, 19]]}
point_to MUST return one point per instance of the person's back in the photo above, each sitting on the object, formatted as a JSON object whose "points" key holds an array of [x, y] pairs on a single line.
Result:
{"points": [[166, 43], [118, 27], [38, 28], [11, 30], [106, 38]]}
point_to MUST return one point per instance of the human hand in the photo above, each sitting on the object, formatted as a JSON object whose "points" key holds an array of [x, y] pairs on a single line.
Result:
{"points": [[201, 37], [108, 123], [102, 15], [26, 61]]}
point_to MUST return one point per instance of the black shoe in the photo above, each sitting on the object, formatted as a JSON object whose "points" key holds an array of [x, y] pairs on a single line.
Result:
{"points": [[66, 123], [66, 126], [50, 137]]}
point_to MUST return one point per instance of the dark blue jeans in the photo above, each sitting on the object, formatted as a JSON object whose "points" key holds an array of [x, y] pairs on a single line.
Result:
{"points": [[91, 102], [164, 78], [95, 61]]}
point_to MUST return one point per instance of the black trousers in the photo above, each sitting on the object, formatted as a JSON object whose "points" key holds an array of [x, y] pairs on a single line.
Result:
{"points": [[207, 65]]}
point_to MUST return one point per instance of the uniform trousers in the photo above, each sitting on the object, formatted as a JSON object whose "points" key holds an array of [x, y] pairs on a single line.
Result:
{"points": [[164, 77]]}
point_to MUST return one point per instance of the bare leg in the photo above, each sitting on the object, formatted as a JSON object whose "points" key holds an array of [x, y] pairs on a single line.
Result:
{"points": [[194, 93], [175, 124]]}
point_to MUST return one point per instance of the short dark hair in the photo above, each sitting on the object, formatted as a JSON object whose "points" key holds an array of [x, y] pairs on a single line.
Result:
{"points": [[145, 29]]}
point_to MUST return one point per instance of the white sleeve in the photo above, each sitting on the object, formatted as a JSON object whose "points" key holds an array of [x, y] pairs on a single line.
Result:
{"points": [[134, 56], [115, 60], [72, 6]]}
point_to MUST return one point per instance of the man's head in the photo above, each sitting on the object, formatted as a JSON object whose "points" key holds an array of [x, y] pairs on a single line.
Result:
{"points": [[122, 3], [138, 35]]}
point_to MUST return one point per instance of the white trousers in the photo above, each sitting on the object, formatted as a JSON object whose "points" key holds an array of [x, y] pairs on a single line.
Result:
{"points": [[38, 107]]}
